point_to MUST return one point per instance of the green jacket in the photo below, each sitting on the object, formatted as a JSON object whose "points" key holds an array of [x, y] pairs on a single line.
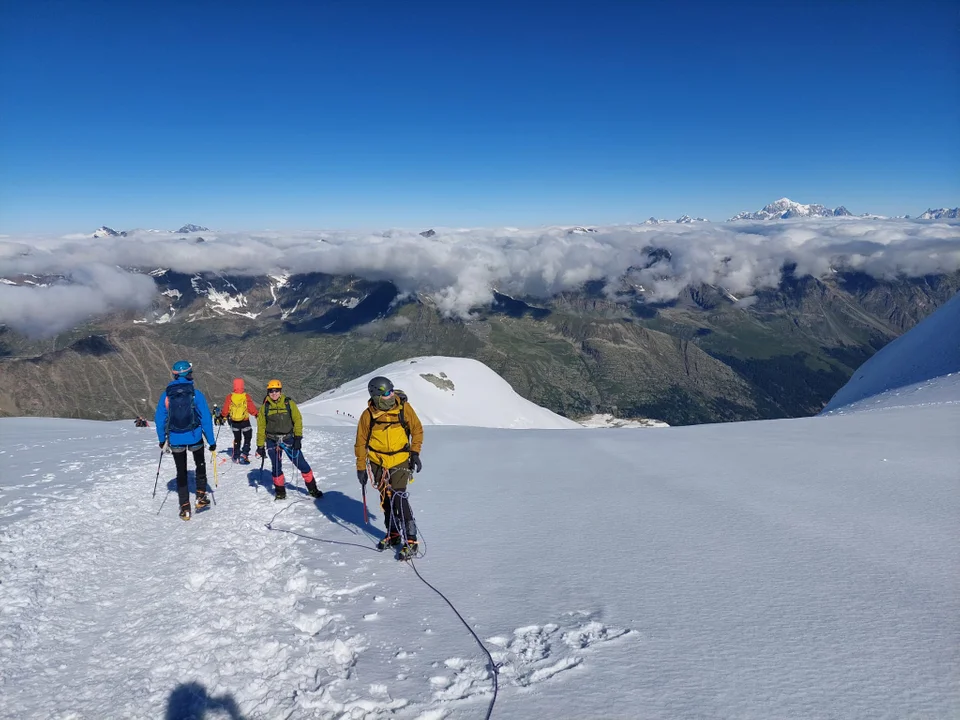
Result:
{"points": [[275, 422]]}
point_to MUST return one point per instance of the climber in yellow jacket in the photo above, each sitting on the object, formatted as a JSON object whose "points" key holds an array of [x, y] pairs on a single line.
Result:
{"points": [[389, 437]]}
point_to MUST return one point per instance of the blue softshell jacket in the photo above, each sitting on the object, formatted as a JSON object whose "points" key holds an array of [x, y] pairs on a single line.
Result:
{"points": [[188, 438]]}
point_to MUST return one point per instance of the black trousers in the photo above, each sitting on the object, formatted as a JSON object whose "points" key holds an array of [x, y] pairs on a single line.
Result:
{"points": [[180, 460], [397, 513], [241, 429]]}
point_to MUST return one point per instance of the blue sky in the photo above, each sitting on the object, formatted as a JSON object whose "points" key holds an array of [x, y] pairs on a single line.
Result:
{"points": [[368, 113]]}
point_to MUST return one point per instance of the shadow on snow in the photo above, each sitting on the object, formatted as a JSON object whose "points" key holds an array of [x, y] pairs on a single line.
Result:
{"points": [[190, 701]]}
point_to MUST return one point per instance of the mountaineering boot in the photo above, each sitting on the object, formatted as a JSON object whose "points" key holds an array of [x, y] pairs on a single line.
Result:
{"points": [[280, 492], [236, 453], [311, 484], [408, 551], [391, 540], [244, 458], [203, 501], [185, 511]]}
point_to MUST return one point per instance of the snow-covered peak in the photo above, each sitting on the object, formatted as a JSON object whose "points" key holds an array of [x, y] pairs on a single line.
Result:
{"points": [[941, 214], [104, 231], [443, 391], [921, 366], [682, 220], [785, 208], [189, 228]]}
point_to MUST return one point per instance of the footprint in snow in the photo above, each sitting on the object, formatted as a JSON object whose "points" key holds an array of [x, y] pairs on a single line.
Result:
{"points": [[468, 679], [536, 653]]}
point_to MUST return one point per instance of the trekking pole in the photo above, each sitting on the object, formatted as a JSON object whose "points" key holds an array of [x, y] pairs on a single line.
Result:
{"points": [[216, 465], [155, 482], [263, 459]]}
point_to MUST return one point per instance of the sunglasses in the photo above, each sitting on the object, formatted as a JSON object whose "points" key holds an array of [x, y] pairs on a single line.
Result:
{"points": [[384, 392], [271, 392]]}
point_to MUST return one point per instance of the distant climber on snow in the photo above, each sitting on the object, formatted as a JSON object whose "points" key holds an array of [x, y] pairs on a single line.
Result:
{"points": [[238, 407]]}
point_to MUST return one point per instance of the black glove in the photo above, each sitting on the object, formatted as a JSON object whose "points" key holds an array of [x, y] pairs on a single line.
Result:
{"points": [[261, 451], [161, 445], [415, 461], [218, 420], [295, 445], [213, 448], [362, 476]]}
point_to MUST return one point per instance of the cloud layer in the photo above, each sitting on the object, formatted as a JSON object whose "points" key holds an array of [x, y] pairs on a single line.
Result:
{"points": [[88, 291], [460, 268]]}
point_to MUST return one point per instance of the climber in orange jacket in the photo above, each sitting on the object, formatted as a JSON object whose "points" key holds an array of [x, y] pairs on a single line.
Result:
{"points": [[238, 407]]}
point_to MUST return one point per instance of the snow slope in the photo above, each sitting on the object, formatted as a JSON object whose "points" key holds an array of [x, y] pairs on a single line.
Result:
{"points": [[781, 569], [922, 365], [802, 568], [443, 391]]}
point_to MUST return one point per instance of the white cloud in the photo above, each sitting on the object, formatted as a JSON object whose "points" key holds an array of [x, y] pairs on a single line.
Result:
{"points": [[460, 268], [88, 291]]}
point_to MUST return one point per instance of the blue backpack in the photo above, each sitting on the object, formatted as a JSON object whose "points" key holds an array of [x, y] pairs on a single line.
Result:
{"points": [[182, 413]]}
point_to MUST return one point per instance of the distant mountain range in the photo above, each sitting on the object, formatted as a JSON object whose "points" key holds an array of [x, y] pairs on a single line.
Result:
{"points": [[104, 231], [782, 209], [706, 356], [682, 220], [941, 214], [785, 208]]}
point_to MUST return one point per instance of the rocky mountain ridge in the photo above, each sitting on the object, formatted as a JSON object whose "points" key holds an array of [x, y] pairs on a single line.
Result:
{"points": [[705, 356]]}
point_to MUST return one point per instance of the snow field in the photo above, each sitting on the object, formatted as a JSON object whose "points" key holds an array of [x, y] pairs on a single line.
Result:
{"points": [[113, 607]]}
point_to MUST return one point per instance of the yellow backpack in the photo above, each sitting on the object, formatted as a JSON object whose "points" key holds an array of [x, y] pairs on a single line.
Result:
{"points": [[390, 434], [238, 407]]}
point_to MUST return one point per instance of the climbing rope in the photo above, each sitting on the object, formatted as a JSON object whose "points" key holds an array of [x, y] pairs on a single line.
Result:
{"points": [[386, 492]]}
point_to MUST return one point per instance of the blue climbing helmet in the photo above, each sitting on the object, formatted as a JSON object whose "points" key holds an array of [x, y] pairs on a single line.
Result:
{"points": [[182, 369]]}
